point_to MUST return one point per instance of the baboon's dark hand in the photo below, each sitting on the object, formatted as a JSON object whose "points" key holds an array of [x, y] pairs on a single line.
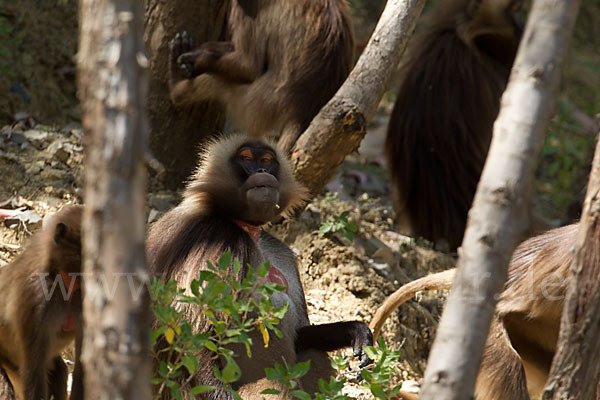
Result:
{"points": [[363, 338], [186, 63], [178, 47]]}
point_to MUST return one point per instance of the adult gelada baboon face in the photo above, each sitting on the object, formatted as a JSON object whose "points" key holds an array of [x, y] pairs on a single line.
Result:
{"points": [[257, 168]]}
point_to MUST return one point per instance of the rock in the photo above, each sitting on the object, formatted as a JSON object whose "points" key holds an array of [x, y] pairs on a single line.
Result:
{"points": [[411, 386], [382, 269], [29, 218], [34, 169], [57, 177], [36, 137], [58, 151], [369, 246], [17, 137], [74, 128]]}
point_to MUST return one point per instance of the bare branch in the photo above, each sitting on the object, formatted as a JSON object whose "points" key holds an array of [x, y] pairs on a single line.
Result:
{"points": [[499, 214], [576, 366], [112, 85], [340, 126]]}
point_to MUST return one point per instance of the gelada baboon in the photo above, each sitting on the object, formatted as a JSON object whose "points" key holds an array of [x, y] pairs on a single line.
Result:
{"points": [[441, 126], [524, 333], [284, 61], [41, 309], [241, 184]]}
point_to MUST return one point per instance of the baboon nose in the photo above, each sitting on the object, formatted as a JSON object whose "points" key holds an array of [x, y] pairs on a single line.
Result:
{"points": [[261, 170]]}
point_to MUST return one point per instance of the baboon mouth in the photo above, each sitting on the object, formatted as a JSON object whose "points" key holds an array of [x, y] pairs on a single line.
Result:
{"points": [[261, 180]]}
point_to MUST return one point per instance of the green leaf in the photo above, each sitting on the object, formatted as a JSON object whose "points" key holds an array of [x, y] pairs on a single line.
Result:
{"points": [[274, 374], [349, 235], [205, 276], [366, 375], [326, 227], [172, 384], [163, 370], [377, 391], [235, 395], [371, 352], [324, 386], [236, 266], [263, 269], [225, 260], [201, 389], [351, 226], [300, 369], [195, 286], [231, 372], [270, 391], [190, 363], [300, 395], [210, 346]]}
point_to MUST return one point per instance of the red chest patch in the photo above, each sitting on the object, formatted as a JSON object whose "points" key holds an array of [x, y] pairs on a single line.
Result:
{"points": [[277, 277], [274, 275], [251, 230]]}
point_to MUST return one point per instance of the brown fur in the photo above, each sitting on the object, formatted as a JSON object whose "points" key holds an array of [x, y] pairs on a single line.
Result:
{"points": [[31, 324], [284, 61], [202, 227], [523, 336], [441, 126]]}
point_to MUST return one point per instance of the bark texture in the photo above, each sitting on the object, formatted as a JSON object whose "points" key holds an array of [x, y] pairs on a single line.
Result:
{"points": [[341, 125], [576, 366], [498, 215], [177, 131], [112, 87]]}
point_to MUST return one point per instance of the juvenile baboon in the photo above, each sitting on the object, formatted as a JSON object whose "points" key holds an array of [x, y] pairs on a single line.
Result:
{"points": [[522, 339], [41, 308], [441, 126], [241, 184], [284, 61]]}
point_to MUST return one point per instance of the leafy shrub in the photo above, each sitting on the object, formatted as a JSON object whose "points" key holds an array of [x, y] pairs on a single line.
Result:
{"points": [[340, 223], [178, 351], [216, 293]]}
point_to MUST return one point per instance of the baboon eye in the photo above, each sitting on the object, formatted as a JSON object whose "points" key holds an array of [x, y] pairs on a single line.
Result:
{"points": [[246, 155], [266, 159]]}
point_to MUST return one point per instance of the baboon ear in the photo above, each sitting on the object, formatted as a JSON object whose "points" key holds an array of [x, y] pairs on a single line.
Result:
{"points": [[60, 232]]}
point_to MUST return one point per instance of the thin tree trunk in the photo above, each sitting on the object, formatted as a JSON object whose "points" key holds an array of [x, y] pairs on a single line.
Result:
{"points": [[112, 88], [341, 124], [576, 366], [499, 214], [177, 131]]}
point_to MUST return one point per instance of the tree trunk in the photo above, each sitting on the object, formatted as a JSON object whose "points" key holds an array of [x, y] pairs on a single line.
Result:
{"points": [[341, 125], [576, 366], [499, 214], [112, 88], [176, 132]]}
